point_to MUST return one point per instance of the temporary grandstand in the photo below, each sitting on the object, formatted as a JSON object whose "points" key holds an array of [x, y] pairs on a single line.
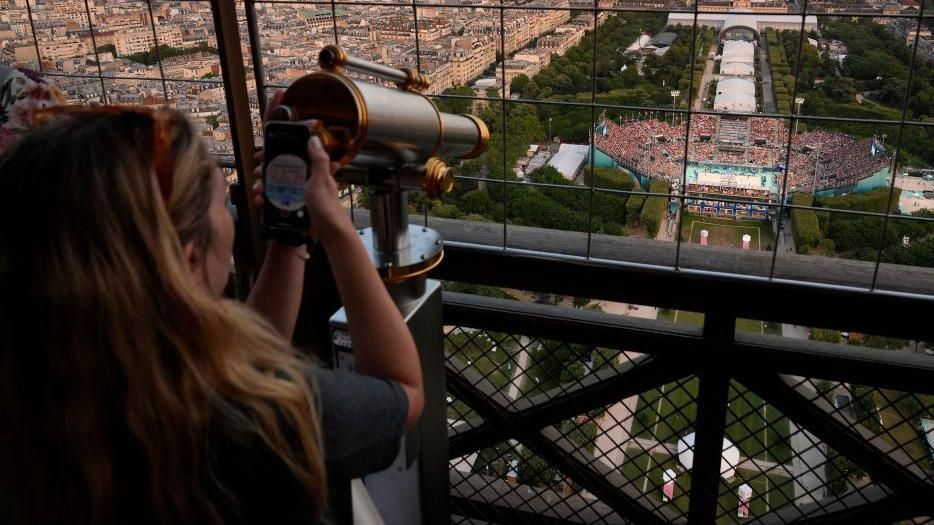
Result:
{"points": [[731, 191], [735, 94], [738, 58], [650, 148], [732, 133]]}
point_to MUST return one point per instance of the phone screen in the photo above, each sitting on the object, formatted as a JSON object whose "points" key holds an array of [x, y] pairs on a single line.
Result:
{"points": [[285, 172], [285, 181]]}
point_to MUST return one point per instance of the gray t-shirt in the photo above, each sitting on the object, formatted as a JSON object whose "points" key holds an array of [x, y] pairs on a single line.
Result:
{"points": [[362, 421]]}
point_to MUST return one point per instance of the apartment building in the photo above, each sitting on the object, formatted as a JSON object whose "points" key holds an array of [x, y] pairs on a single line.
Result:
{"points": [[140, 40], [469, 58], [62, 48]]}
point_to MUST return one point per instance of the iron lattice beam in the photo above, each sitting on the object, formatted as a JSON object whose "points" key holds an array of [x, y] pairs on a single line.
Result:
{"points": [[762, 353], [462, 382], [712, 396], [493, 500], [892, 469], [870, 504], [890, 314], [594, 391]]}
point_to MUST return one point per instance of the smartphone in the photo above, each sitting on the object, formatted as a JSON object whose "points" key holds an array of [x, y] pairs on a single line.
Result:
{"points": [[285, 171]]}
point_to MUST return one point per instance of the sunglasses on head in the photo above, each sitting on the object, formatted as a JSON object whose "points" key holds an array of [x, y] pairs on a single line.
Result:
{"points": [[163, 124]]}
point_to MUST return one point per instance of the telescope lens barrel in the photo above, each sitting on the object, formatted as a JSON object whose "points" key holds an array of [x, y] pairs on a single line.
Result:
{"points": [[379, 127]]}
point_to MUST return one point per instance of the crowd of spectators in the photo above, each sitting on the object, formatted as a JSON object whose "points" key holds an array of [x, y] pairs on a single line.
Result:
{"points": [[819, 159], [823, 159]]}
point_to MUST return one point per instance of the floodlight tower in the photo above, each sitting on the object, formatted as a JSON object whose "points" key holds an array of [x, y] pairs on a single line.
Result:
{"points": [[799, 101], [674, 96]]}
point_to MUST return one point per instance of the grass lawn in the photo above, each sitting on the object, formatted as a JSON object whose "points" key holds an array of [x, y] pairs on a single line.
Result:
{"points": [[772, 328], [900, 432], [645, 473], [681, 316], [669, 413], [697, 319], [749, 325], [758, 327], [490, 354], [728, 232], [537, 379]]}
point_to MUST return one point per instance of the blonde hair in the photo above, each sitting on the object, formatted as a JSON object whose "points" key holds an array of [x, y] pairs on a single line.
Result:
{"points": [[114, 364]]}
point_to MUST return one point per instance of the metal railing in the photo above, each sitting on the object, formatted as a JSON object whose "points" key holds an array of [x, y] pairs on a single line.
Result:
{"points": [[566, 415]]}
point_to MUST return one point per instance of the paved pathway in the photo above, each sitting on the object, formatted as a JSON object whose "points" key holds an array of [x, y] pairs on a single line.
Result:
{"points": [[808, 456], [521, 364], [768, 99], [706, 78], [808, 464]]}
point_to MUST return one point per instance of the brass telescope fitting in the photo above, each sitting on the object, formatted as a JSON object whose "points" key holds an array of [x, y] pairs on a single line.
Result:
{"points": [[439, 178], [333, 58], [389, 141]]}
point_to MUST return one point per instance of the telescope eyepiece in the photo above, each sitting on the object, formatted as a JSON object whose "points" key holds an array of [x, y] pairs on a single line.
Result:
{"points": [[332, 58], [283, 112]]}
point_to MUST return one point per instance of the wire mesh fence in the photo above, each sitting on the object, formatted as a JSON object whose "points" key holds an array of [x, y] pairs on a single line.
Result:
{"points": [[773, 468]]}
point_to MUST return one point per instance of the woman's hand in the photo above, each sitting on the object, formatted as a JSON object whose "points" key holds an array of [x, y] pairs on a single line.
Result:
{"points": [[325, 210]]}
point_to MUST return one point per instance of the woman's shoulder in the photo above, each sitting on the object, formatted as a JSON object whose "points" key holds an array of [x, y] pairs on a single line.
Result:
{"points": [[362, 421]]}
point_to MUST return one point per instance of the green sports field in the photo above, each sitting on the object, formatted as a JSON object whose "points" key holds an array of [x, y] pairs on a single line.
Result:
{"points": [[728, 232]]}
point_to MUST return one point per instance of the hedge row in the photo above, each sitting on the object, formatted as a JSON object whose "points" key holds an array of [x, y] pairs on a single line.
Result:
{"points": [[654, 209], [804, 223], [872, 201]]}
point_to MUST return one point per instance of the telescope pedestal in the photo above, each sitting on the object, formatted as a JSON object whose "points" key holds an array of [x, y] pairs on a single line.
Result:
{"points": [[415, 488]]}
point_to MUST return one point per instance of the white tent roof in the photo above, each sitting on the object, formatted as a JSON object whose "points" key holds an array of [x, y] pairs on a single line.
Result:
{"points": [[723, 20], [738, 51], [735, 94], [738, 86], [744, 491], [734, 103], [639, 43], [728, 461], [741, 20], [739, 70], [569, 159]]}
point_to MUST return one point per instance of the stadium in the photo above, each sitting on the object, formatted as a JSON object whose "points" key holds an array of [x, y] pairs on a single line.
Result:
{"points": [[735, 166], [732, 165]]}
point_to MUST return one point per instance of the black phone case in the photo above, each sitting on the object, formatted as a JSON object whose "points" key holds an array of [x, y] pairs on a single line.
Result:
{"points": [[285, 138]]}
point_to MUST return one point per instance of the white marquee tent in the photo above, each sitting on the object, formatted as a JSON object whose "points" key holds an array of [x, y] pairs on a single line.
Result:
{"points": [[737, 59], [735, 94], [728, 461]]}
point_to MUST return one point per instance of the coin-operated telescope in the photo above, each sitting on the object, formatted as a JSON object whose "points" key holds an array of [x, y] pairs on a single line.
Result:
{"points": [[390, 140]]}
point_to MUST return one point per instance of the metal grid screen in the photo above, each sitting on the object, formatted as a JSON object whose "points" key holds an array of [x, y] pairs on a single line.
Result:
{"points": [[570, 432], [769, 135], [815, 137]]}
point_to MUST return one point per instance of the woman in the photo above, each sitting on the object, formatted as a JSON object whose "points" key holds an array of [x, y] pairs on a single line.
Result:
{"points": [[132, 392]]}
